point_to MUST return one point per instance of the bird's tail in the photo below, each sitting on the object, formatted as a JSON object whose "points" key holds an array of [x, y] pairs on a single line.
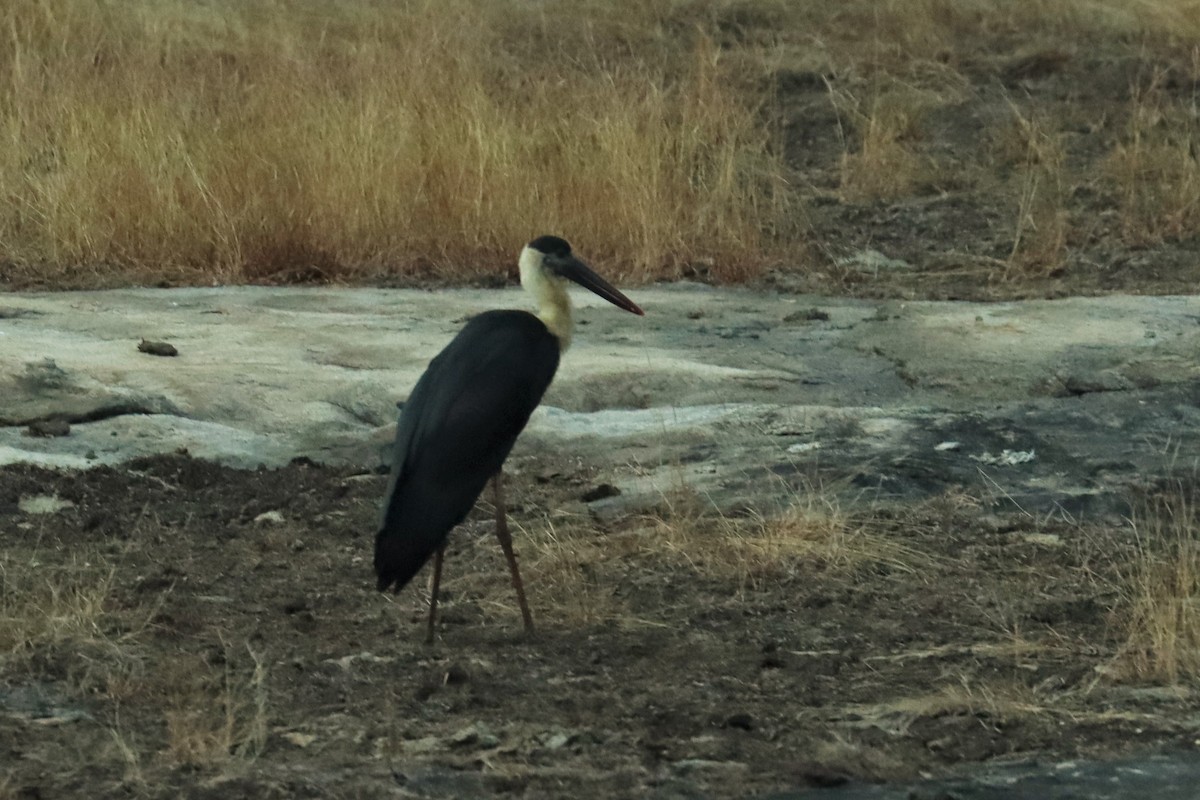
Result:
{"points": [[398, 559]]}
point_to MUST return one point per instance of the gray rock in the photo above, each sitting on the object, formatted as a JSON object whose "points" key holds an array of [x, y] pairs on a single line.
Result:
{"points": [[869, 397]]}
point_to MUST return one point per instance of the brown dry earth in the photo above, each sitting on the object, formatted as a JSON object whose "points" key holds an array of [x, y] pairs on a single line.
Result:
{"points": [[650, 675]]}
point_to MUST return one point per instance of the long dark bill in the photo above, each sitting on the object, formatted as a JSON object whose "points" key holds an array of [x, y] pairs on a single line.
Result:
{"points": [[585, 276]]}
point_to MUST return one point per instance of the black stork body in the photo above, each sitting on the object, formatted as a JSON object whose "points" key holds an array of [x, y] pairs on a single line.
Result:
{"points": [[465, 413]]}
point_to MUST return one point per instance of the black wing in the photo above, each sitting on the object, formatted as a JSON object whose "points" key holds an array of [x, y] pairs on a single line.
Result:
{"points": [[455, 430]]}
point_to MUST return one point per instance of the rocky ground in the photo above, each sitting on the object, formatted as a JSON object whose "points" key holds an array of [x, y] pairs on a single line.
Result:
{"points": [[772, 542]]}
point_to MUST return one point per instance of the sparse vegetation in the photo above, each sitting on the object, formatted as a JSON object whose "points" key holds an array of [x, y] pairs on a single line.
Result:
{"points": [[272, 662], [758, 549], [68, 608], [574, 565], [882, 166], [1156, 166], [1160, 609], [1042, 218], [214, 716], [254, 141]]}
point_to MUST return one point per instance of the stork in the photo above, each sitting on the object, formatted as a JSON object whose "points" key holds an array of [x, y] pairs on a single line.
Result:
{"points": [[465, 413]]}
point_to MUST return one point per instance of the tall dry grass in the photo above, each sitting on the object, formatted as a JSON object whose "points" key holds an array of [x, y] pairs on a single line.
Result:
{"points": [[1160, 599], [212, 718], [245, 139], [1155, 169], [1042, 192]]}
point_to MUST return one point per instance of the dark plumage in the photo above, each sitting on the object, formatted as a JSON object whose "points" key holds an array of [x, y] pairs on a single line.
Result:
{"points": [[456, 430], [465, 413]]}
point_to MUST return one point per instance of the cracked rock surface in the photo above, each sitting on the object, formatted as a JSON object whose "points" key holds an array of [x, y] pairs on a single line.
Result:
{"points": [[1047, 403]]}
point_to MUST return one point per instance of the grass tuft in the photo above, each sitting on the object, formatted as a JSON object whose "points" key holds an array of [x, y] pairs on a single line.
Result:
{"points": [[757, 550], [1160, 608], [1155, 169], [1043, 222], [214, 716]]}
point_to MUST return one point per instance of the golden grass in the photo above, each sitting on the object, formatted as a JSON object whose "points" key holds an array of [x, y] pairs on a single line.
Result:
{"points": [[997, 699], [574, 570], [570, 567], [273, 140], [883, 165], [213, 717], [1156, 167], [64, 620], [1160, 609], [1043, 221], [67, 621], [236, 141], [47, 604], [756, 550]]}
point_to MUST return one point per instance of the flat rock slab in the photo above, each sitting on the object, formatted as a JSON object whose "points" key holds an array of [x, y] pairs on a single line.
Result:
{"points": [[1169, 776], [737, 393]]}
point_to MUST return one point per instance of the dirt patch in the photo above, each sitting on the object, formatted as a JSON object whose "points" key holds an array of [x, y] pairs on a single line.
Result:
{"points": [[173, 626]]}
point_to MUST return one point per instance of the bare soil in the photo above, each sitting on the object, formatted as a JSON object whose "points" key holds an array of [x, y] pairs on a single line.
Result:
{"points": [[651, 676], [952, 232]]}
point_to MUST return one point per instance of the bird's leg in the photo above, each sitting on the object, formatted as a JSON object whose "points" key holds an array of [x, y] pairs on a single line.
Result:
{"points": [[435, 581], [506, 545]]}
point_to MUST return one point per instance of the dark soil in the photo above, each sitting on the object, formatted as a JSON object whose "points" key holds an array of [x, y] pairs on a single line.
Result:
{"points": [[996, 640]]}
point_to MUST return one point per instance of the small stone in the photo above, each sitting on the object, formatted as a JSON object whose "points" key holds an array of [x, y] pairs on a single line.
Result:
{"points": [[601, 492], [43, 504], [690, 765], [157, 348], [47, 428], [426, 744], [741, 721], [475, 735], [296, 605], [455, 674], [299, 739], [558, 740], [547, 475], [808, 315], [269, 518], [873, 262]]}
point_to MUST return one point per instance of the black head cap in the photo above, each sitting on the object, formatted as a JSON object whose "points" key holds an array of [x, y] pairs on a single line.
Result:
{"points": [[551, 246]]}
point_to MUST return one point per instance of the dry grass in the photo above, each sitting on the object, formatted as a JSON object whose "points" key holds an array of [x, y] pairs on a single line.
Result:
{"points": [[574, 569], [1156, 167], [883, 165], [570, 564], [51, 609], [294, 140], [65, 620], [212, 715], [1042, 218], [1160, 609], [758, 550], [999, 700], [240, 141], [882, 128]]}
